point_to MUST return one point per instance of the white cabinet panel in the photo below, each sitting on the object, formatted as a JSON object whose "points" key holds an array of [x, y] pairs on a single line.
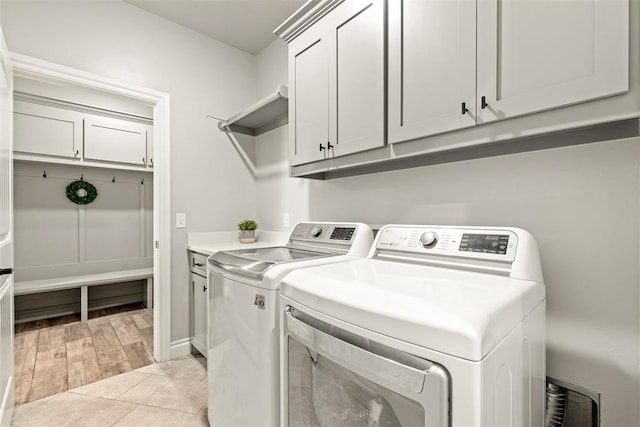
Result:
{"points": [[44, 219], [113, 225], [336, 73], [536, 55], [309, 97], [40, 129], [115, 140], [432, 60], [200, 301], [358, 87]]}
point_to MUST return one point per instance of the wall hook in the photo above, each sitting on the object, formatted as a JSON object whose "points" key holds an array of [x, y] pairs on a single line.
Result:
{"points": [[44, 174], [114, 179]]}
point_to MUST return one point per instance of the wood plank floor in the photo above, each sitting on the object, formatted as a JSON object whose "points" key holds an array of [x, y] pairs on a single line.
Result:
{"points": [[55, 355]]}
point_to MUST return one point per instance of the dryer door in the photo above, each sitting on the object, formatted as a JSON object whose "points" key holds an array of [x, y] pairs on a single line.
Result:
{"points": [[333, 377]]}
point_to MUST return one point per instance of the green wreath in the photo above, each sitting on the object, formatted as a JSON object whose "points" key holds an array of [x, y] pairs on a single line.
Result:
{"points": [[74, 188]]}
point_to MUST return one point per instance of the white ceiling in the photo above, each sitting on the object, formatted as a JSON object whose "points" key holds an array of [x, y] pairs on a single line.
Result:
{"points": [[245, 24]]}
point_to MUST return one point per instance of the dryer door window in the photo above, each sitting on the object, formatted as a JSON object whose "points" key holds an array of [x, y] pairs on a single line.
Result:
{"points": [[334, 378]]}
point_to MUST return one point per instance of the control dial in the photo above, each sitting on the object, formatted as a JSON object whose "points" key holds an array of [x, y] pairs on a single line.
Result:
{"points": [[316, 231], [428, 239]]}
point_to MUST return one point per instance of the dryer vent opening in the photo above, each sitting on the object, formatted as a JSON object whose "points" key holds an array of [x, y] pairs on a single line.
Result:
{"points": [[571, 405]]}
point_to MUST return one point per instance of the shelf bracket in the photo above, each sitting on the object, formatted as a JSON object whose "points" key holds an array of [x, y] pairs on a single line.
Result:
{"points": [[245, 158]]}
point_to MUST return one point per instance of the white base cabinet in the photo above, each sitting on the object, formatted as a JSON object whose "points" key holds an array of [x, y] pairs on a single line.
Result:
{"points": [[199, 302]]}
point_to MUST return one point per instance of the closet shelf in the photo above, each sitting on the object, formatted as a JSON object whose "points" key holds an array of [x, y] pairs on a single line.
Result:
{"points": [[267, 114]]}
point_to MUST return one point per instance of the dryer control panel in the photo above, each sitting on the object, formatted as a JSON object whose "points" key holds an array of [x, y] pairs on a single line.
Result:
{"points": [[323, 232], [497, 244], [340, 237]]}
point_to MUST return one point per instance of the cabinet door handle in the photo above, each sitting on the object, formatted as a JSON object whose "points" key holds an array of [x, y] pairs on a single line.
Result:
{"points": [[143, 160], [465, 110], [321, 147], [329, 146], [151, 162], [483, 102], [77, 152], [204, 288], [4, 271], [197, 264]]}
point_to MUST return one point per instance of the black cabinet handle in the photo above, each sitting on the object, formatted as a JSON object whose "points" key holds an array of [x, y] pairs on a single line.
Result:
{"points": [[4, 271], [329, 146], [483, 102], [321, 147], [204, 288], [197, 264], [77, 152], [464, 108]]}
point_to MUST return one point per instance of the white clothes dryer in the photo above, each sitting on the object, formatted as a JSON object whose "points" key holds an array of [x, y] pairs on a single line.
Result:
{"points": [[438, 326], [243, 354]]}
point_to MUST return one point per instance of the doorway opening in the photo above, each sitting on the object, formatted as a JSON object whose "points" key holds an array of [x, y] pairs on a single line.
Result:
{"points": [[142, 331]]}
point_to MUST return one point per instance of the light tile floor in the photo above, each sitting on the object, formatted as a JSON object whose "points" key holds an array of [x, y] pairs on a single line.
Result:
{"points": [[167, 394]]}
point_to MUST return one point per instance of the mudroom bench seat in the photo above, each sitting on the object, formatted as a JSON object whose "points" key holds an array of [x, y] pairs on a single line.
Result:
{"points": [[84, 282]]}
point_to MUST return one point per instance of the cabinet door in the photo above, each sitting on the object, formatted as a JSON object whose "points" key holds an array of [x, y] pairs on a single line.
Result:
{"points": [[114, 140], [200, 298], [432, 60], [309, 95], [537, 55], [356, 83], [39, 129]]}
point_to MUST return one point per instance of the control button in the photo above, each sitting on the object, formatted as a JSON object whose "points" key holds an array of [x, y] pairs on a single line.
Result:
{"points": [[428, 239], [316, 231]]}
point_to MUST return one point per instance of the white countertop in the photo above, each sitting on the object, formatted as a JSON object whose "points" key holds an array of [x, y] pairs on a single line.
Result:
{"points": [[207, 243]]}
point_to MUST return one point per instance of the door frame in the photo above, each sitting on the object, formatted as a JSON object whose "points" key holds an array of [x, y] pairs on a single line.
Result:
{"points": [[29, 67]]}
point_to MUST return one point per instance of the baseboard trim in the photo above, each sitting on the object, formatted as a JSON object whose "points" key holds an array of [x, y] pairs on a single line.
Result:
{"points": [[180, 348]]}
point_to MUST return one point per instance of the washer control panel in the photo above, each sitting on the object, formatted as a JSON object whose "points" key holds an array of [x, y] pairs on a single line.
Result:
{"points": [[323, 232], [491, 244]]}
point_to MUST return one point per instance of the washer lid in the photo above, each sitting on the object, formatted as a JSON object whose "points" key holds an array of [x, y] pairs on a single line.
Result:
{"points": [[255, 262], [460, 313]]}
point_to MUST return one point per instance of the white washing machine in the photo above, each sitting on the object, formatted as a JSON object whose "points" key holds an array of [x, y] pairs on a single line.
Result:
{"points": [[243, 354], [438, 326]]}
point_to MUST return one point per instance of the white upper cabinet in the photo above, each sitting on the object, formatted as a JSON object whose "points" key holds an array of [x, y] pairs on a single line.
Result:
{"points": [[458, 63], [432, 61], [114, 140], [64, 133], [40, 129], [537, 55], [356, 91], [309, 96], [336, 83]]}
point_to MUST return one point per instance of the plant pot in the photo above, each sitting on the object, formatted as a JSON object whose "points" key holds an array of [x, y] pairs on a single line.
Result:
{"points": [[247, 236]]}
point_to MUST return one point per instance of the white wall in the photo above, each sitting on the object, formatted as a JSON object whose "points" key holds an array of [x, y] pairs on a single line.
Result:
{"points": [[111, 38], [582, 203], [277, 194]]}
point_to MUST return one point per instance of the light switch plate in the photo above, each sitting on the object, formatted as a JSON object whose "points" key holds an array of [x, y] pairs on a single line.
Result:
{"points": [[181, 220]]}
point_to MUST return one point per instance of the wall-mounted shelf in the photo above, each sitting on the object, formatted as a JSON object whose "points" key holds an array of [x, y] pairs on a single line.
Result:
{"points": [[263, 116]]}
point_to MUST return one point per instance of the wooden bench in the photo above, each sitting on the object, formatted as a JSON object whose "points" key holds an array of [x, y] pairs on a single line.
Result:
{"points": [[83, 282]]}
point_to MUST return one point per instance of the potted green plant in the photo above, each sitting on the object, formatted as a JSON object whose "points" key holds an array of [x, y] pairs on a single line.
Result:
{"points": [[247, 231]]}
